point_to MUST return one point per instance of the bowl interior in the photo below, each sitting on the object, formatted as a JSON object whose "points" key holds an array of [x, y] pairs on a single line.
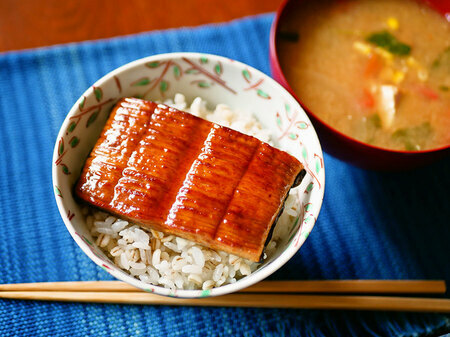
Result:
{"points": [[217, 80]]}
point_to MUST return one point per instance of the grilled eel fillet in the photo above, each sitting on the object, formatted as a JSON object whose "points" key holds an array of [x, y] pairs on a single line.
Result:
{"points": [[176, 173]]}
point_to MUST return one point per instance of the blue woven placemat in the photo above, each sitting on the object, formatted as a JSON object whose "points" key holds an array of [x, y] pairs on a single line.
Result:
{"points": [[372, 225]]}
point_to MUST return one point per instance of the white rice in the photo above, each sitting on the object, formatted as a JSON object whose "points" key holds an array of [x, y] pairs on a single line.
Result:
{"points": [[173, 262]]}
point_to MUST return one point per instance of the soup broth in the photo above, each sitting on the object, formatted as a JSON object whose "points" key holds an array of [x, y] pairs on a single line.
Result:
{"points": [[378, 71]]}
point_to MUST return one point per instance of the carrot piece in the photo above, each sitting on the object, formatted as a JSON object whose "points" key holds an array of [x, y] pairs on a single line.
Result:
{"points": [[367, 100], [373, 66], [427, 92]]}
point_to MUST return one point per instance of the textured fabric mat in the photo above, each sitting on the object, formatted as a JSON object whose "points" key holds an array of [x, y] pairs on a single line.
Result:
{"points": [[372, 225]]}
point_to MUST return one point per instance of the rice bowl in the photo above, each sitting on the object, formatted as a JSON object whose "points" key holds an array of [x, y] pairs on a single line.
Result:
{"points": [[173, 262], [264, 108]]}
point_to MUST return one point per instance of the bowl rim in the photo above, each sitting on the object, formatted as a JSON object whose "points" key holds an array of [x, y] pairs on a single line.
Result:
{"points": [[275, 62], [247, 281]]}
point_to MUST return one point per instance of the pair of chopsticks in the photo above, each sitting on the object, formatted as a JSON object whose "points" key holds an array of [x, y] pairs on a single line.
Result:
{"points": [[332, 294]]}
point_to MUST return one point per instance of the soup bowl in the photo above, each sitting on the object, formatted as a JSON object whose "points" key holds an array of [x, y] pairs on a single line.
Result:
{"points": [[336, 142], [217, 80]]}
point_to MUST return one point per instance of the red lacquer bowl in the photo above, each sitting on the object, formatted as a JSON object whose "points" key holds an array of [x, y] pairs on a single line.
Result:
{"points": [[343, 146]]}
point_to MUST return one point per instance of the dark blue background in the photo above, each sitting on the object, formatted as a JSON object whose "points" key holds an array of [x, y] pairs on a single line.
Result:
{"points": [[372, 225]]}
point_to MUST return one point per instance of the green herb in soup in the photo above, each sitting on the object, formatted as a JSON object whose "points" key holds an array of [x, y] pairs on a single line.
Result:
{"points": [[415, 138], [378, 71], [442, 61], [388, 41]]}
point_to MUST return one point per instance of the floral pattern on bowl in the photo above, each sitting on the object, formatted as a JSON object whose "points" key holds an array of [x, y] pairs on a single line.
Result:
{"points": [[217, 80]]}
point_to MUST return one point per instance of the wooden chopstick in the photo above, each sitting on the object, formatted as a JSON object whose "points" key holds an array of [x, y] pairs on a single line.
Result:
{"points": [[322, 286], [266, 294], [245, 300]]}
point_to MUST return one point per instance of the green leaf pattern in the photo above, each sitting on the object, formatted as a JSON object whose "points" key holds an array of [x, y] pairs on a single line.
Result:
{"points": [[246, 75], [141, 82], [304, 153], [205, 293], [98, 93], [262, 94], [153, 64], [83, 101], [65, 169], [58, 192], [176, 72], [163, 86], [92, 118], [61, 146], [74, 141], [317, 165], [278, 121], [71, 127], [203, 84], [218, 69], [192, 71]]}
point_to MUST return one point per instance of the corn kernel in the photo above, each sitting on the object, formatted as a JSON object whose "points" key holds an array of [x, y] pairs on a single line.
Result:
{"points": [[411, 61], [392, 23], [398, 76]]}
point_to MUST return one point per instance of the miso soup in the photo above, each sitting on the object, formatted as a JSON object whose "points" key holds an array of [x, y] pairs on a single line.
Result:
{"points": [[376, 70]]}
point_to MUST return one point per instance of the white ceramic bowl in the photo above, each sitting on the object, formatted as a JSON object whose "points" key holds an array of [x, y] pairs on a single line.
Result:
{"points": [[217, 80]]}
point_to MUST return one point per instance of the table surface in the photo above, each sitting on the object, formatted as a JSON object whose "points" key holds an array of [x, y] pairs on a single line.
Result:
{"points": [[30, 23]]}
